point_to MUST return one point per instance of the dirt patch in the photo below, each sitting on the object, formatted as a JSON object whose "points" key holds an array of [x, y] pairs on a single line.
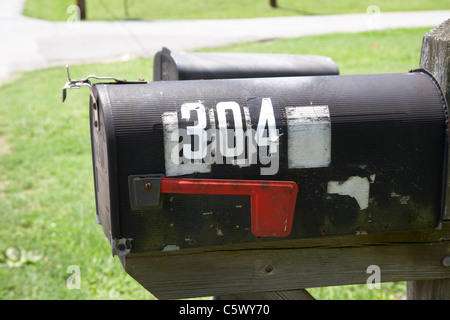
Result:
{"points": [[4, 150], [4, 146], [3, 185]]}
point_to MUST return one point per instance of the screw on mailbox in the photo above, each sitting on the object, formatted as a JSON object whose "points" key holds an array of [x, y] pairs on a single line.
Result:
{"points": [[446, 261]]}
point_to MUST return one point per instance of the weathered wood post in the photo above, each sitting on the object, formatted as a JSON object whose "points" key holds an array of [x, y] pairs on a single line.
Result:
{"points": [[435, 58], [82, 5], [273, 3]]}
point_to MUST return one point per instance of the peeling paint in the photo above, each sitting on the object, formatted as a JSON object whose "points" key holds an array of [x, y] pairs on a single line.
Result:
{"points": [[355, 187], [404, 199], [171, 247], [174, 166]]}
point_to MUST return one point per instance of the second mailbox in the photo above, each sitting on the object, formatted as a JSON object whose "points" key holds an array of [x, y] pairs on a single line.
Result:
{"points": [[168, 65], [187, 164]]}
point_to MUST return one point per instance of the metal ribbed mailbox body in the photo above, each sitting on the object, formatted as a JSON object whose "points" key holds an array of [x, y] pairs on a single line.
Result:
{"points": [[334, 155]]}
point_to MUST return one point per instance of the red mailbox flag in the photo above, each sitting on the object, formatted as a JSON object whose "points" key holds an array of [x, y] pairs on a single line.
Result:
{"points": [[272, 202]]}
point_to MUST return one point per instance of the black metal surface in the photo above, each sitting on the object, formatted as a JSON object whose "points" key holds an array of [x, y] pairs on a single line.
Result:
{"points": [[200, 65], [388, 132]]}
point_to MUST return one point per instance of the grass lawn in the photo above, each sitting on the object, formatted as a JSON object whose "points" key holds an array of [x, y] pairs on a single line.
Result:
{"points": [[47, 204], [367, 52], [46, 193], [214, 9]]}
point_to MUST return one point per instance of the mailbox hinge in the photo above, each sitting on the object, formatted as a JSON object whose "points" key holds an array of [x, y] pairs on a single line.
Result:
{"points": [[85, 82]]}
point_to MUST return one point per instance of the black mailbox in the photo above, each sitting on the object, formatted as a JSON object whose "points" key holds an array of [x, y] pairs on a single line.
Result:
{"points": [[201, 65], [190, 164]]}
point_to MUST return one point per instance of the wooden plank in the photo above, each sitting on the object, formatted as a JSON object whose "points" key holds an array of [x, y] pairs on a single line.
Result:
{"points": [[295, 264]]}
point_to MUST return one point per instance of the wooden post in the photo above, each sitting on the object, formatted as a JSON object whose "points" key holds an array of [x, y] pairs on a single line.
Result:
{"points": [[82, 5], [273, 3], [300, 294], [435, 55], [428, 290], [435, 58]]}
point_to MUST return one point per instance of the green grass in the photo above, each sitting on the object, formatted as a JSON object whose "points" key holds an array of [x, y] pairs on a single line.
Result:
{"points": [[367, 52], [47, 204], [46, 192], [215, 9]]}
